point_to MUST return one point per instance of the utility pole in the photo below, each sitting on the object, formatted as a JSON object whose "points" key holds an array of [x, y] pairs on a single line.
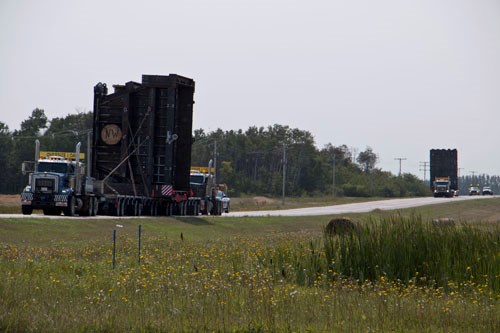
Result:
{"points": [[333, 176], [473, 174], [215, 162], [400, 159], [284, 172], [424, 166], [462, 181]]}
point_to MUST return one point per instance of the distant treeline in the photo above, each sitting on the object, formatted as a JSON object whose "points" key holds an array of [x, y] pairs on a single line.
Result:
{"points": [[258, 161], [252, 162], [60, 134]]}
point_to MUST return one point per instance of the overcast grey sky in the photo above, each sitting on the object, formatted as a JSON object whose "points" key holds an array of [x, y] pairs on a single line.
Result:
{"points": [[402, 77]]}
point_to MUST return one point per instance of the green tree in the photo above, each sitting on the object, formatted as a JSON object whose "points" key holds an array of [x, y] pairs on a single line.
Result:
{"points": [[367, 159], [24, 144], [64, 133], [6, 165]]}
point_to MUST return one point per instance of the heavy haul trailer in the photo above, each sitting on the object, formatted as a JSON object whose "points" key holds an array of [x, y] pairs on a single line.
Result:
{"points": [[141, 147], [444, 172]]}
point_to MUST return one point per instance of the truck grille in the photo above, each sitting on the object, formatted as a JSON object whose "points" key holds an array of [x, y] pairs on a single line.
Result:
{"points": [[44, 185]]}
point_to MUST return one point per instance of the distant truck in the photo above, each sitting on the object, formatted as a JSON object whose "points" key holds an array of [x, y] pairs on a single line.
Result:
{"points": [[213, 197], [444, 172], [474, 190]]}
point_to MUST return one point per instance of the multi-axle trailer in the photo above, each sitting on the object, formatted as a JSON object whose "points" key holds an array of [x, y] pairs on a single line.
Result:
{"points": [[140, 156]]}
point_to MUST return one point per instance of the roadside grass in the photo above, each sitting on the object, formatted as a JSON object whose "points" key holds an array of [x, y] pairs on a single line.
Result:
{"points": [[248, 203], [11, 209], [398, 272]]}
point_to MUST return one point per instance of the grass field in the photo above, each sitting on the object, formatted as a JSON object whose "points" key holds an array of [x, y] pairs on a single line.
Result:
{"points": [[398, 272]]}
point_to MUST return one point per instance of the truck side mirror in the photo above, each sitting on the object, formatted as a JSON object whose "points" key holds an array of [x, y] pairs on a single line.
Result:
{"points": [[27, 167]]}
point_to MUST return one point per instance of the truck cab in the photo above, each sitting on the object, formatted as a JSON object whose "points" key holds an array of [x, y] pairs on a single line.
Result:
{"points": [[58, 184], [474, 190], [442, 187], [213, 199]]}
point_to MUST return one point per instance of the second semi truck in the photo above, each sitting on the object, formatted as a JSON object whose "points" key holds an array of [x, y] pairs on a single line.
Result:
{"points": [[444, 172]]}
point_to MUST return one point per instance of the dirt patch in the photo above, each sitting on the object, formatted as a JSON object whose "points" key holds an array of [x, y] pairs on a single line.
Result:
{"points": [[264, 201], [10, 200]]}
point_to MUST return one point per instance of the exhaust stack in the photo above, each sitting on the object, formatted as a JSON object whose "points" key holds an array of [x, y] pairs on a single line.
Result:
{"points": [[77, 169], [37, 153]]}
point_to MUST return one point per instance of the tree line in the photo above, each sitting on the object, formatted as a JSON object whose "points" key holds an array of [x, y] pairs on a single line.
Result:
{"points": [[257, 161], [260, 159], [57, 134]]}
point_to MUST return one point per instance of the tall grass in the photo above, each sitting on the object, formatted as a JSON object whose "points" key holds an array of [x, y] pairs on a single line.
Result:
{"points": [[409, 249]]}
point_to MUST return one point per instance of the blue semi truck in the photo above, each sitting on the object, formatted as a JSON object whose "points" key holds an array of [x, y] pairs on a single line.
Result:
{"points": [[59, 184]]}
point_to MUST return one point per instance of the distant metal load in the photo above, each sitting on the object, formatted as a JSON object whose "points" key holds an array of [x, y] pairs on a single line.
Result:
{"points": [[444, 172]]}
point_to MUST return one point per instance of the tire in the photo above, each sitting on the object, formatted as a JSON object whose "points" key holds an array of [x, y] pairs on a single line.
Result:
{"points": [[27, 210], [90, 208], [70, 210], [87, 208], [215, 209], [95, 208]]}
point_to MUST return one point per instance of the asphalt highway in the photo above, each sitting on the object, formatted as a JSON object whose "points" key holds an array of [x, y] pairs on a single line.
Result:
{"points": [[362, 207]]}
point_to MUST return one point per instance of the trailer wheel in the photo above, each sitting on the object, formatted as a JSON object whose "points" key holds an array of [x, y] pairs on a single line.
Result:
{"points": [[197, 208], [95, 206], [135, 208], [27, 210], [120, 210], [87, 208], [70, 210], [90, 208]]}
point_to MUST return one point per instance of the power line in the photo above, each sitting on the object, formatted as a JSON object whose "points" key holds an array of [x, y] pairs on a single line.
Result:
{"points": [[60, 134]]}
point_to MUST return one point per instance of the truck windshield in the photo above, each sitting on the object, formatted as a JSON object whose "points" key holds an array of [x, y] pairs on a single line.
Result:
{"points": [[52, 167], [197, 179], [444, 183]]}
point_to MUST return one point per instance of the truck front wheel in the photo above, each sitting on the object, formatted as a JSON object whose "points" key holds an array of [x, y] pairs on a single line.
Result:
{"points": [[26, 210], [70, 210]]}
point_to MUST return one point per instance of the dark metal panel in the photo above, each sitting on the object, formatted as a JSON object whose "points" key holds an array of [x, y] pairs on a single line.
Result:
{"points": [[151, 134], [125, 135], [183, 128], [171, 142], [158, 111], [443, 163]]}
